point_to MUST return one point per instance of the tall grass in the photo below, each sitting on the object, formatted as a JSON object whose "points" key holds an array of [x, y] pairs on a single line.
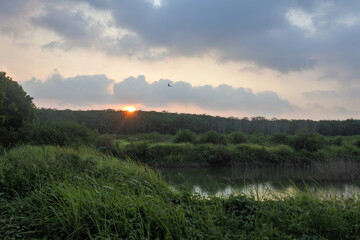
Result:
{"points": [[64, 193]]}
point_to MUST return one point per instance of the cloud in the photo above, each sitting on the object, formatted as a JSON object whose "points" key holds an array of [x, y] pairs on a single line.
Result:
{"points": [[74, 27], [237, 30], [11, 8], [282, 35], [221, 98], [95, 90], [343, 93], [318, 111], [79, 91], [14, 16]]}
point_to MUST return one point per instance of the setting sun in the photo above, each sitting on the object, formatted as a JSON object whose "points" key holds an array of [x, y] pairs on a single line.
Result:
{"points": [[129, 108]]}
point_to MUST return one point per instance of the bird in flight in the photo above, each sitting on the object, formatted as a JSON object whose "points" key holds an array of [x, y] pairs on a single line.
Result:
{"points": [[169, 85]]}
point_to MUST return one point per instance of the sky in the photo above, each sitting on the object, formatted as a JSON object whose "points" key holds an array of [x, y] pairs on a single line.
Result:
{"points": [[294, 59]]}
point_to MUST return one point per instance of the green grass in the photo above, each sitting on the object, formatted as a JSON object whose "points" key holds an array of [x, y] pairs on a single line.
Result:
{"points": [[64, 193], [263, 151]]}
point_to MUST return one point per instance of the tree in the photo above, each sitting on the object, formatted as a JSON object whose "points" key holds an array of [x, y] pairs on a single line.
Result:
{"points": [[16, 110]]}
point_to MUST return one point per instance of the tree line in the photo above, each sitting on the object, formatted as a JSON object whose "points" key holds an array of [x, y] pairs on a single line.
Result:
{"points": [[22, 122], [122, 122]]}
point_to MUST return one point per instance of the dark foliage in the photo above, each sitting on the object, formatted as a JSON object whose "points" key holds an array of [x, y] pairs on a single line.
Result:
{"points": [[336, 141], [237, 137], [280, 138], [119, 122], [212, 137], [62, 133], [185, 135], [16, 110], [357, 143], [308, 141]]}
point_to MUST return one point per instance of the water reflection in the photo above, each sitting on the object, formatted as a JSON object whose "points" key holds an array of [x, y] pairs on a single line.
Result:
{"points": [[261, 182]]}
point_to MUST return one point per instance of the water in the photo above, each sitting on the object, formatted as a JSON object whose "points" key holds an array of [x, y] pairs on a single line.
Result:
{"points": [[220, 181]]}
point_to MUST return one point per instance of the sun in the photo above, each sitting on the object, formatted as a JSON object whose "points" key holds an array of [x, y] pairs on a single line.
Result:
{"points": [[130, 109]]}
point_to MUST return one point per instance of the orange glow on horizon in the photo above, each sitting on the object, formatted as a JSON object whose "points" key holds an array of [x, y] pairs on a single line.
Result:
{"points": [[130, 109]]}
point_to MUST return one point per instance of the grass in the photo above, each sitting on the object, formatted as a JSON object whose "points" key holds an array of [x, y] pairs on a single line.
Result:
{"points": [[166, 153], [64, 193]]}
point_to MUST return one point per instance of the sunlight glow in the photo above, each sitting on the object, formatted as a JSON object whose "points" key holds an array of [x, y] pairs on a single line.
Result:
{"points": [[130, 108]]}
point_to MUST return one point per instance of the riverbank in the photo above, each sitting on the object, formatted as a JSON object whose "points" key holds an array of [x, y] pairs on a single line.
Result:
{"points": [[332, 171], [65, 193], [189, 154]]}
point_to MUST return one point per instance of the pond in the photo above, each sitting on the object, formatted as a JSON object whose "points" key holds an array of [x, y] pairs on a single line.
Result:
{"points": [[222, 181]]}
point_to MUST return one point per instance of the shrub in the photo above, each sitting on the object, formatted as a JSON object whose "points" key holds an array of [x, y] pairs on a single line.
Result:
{"points": [[26, 168], [282, 153], [185, 135], [170, 152], [237, 137], [149, 137], [307, 141], [62, 133], [105, 142], [338, 140], [357, 143], [213, 137], [16, 110], [138, 151], [257, 138], [280, 138], [248, 152]]}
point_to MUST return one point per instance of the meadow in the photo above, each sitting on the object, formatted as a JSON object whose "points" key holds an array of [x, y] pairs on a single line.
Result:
{"points": [[237, 148], [52, 192], [87, 174]]}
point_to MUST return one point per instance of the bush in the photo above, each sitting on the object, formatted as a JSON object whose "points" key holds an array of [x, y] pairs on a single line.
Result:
{"points": [[185, 135], [152, 137], [170, 152], [213, 137], [357, 143], [248, 152], [2, 150], [237, 137], [26, 168], [257, 138], [280, 138], [155, 137], [282, 153], [138, 151], [338, 140], [16, 109], [105, 142], [307, 141], [62, 133]]}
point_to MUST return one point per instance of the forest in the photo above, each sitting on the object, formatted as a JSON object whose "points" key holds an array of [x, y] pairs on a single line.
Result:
{"points": [[121, 122], [90, 174]]}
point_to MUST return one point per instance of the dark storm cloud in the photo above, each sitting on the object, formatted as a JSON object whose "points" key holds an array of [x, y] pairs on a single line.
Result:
{"points": [[13, 17], [257, 31], [74, 27], [239, 30], [249, 30], [90, 90], [323, 33], [11, 8]]}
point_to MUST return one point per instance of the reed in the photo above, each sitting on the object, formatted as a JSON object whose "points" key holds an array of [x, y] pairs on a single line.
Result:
{"points": [[101, 197]]}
